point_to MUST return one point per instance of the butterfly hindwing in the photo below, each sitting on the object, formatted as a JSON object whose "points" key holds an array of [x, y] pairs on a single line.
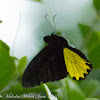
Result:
{"points": [[76, 63], [47, 65]]}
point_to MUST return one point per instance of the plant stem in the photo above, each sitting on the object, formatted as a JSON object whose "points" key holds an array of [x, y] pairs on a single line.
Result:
{"points": [[50, 96]]}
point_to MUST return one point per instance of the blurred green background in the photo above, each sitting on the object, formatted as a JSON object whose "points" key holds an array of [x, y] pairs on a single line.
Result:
{"points": [[77, 21]]}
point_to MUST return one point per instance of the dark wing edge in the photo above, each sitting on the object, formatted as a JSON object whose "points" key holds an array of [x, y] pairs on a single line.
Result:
{"points": [[48, 65]]}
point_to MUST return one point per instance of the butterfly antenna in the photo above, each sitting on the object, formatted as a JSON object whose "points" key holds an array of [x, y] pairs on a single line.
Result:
{"points": [[48, 21], [54, 21]]}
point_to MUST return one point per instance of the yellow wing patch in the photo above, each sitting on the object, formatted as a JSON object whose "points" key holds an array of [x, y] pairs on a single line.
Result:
{"points": [[75, 65]]}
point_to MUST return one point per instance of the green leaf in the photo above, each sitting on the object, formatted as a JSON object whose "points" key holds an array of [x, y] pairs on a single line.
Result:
{"points": [[53, 85], [0, 21], [94, 57], [20, 90], [91, 99], [95, 75], [58, 33], [4, 45], [74, 91], [70, 90], [90, 87], [7, 65], [93, 47], [22, 63], [96, 4], [84, 29], [94, 40]]}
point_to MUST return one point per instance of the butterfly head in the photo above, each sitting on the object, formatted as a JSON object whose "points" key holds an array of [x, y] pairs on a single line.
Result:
{"points": [[55, 38], [52, 34]]}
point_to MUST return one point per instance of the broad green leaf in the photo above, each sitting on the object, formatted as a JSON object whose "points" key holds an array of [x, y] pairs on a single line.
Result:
{"points": [[26, 93], [20, 90], [22, 64], [90, 87], [70, 90], [95, 75], [84, 29], [20, 67], [94, 57], [94, 49], [4, 45], [7, 65], [91, 99], [96, 4], [74, 91], [94, 40], [53, 85]]}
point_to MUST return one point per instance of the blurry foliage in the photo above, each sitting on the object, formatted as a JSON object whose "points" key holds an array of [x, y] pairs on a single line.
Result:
{"points": [[96, 4], [21, 65], [11, 70], [94, 49], [0, 21], [7, 65], [84, 30], [37, 0]]}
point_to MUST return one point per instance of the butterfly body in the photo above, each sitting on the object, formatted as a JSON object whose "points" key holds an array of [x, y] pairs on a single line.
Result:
{"points": [[53, 63]]}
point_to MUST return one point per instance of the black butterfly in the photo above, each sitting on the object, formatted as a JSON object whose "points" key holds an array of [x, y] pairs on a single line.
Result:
{"points": [[54, 62]]}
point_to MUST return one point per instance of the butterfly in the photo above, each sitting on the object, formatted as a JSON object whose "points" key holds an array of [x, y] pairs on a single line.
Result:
{"points": [[54, 62]]}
